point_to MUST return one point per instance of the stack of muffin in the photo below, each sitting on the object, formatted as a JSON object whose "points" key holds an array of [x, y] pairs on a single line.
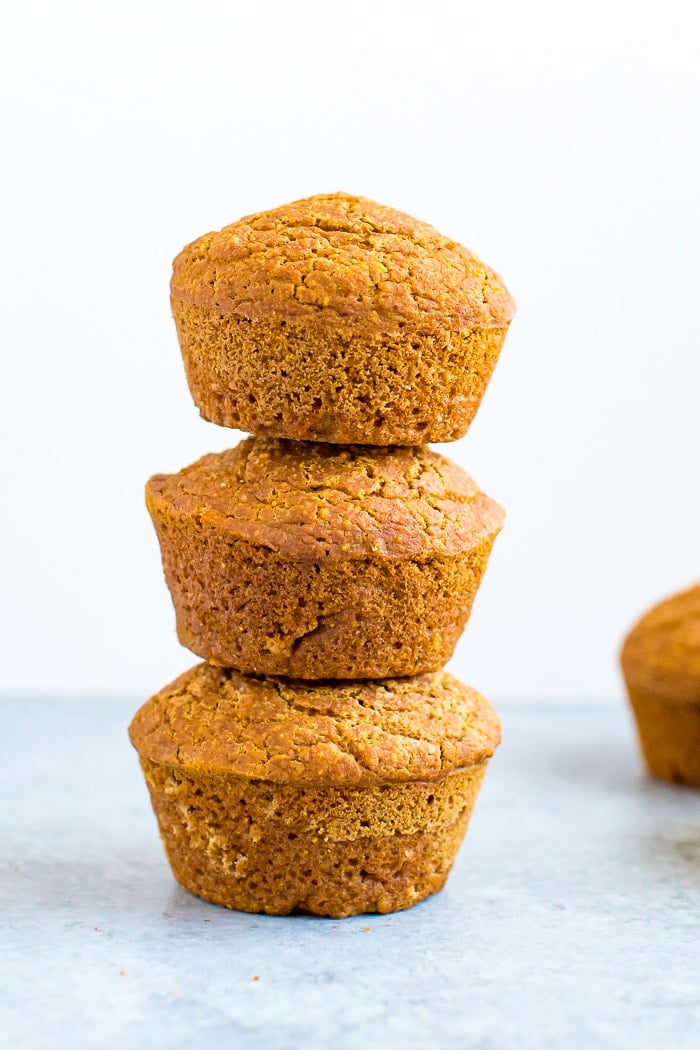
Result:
{"points": [[320, 760]]}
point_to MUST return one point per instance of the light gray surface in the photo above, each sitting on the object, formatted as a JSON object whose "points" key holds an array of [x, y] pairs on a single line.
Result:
{"points": [[572, 918]]}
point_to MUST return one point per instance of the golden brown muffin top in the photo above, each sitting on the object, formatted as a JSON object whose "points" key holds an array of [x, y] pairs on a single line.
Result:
{"points": [[349, 734], [320, 501], [341, 261], [661, 654]]}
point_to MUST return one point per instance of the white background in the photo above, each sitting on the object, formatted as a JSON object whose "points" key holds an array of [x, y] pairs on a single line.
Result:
{"points": [[558, 141]]}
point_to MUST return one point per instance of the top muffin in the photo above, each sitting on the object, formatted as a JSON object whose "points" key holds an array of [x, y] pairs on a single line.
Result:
{"points": [[337, 319]]}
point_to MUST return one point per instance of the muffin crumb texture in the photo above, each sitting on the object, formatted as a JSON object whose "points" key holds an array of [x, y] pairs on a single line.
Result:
{"points": [[260, 847]]}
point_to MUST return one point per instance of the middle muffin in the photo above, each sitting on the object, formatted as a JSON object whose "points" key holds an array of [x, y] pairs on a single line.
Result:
{"points": [[322, 561]]}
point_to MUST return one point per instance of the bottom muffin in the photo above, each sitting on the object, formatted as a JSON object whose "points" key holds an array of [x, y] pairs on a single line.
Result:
{"points": [[331, 799], [661, 665]]}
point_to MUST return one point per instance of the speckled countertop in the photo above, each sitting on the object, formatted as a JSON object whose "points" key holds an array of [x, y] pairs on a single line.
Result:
{"points": [[571, 920]]}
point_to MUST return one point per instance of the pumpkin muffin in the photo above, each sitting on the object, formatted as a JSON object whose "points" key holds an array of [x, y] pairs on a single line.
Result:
{"points": [[330, 798], [337, 319], [322, 561], [661, 664]]}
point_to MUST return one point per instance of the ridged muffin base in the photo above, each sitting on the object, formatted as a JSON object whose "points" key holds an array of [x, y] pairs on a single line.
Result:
{"points": [[286, 380], [239, 604], [257, 846], [669, 733]]}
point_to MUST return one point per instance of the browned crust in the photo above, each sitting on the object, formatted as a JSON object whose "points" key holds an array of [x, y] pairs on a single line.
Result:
{"points": [[322, 501], [661, 654], [353, 734], [262, 847], [345, 262]]}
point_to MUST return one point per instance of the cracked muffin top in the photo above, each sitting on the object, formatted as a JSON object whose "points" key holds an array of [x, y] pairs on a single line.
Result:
{"points": [[342, 261], [348, 734], [331, 501]]}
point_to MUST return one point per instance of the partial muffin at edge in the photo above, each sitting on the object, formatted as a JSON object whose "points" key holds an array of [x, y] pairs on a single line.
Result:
{"points": [[337, 319], [320, 561], [661, 665], [328, 798]]}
